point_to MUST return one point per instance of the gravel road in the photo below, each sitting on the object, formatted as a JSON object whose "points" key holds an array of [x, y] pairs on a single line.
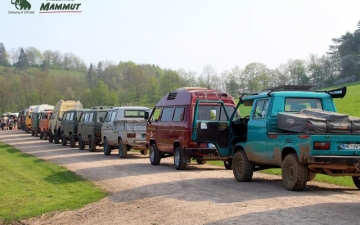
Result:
{"points": [[140, 193]]}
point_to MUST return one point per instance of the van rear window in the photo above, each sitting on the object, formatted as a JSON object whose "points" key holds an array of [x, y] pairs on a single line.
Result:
{"points": [[134, 113], [204, 112]]}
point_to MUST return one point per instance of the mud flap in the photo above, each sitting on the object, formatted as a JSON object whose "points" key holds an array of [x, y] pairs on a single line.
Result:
{"points": [[187, 157]]}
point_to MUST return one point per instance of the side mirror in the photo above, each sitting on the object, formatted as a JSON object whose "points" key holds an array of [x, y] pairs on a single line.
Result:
{"points": [[146, 116], [213, 114], [101, 119], [29, 117]]}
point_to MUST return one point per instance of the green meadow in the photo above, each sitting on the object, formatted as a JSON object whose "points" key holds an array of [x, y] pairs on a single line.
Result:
{"points": [[31, 186]]}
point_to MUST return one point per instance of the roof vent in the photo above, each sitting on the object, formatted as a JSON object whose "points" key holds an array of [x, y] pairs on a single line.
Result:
{"points": [[172, 96]]}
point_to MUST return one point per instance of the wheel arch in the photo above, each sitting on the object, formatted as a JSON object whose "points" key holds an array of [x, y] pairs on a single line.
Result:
{"points": [[286, 151]]}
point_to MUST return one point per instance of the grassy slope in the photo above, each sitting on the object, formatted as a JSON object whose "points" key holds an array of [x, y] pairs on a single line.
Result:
{"points": [[34, 70], [31, 186]]}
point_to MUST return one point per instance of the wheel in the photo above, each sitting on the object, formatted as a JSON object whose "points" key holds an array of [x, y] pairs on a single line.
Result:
{"points": [[72, 141], [41, 136], [46, 135], [356, 181], [294, 174], [81, 143], [106, 147], [228, 164], [51, 137], [243, 169], [155, 155], [63, 140], [32, 133], [311, 176], [179, 159], [143, 152], [92, 145], [122, 149], [56, 138], [27, 129], [36, 133], [200, 161]]}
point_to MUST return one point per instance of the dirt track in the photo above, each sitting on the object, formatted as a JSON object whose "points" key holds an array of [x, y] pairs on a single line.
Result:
{"points": [[140, 193]]}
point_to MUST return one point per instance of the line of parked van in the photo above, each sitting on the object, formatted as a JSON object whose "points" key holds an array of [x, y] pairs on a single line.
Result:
{"points": [[165, 131]]}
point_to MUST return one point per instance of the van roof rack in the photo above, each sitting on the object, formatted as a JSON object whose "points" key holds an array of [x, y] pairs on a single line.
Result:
{"points": [[334, 93], [101, 107]]}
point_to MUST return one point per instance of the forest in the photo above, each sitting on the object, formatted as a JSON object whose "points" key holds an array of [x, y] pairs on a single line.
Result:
{"points": [[31, 77]]}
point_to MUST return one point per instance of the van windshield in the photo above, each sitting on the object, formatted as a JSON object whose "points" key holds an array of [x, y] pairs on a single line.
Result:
{"points": [[204, 112]]}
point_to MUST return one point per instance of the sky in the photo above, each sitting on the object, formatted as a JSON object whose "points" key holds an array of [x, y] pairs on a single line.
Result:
{"points": [[183, 34]]}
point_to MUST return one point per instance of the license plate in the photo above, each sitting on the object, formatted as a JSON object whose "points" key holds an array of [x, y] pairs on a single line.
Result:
{"points": [[350, 146], [210, 145]]}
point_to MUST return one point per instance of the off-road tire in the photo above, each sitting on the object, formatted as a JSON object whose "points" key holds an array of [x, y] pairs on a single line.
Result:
{"points": [[81, 143], [41, 136], [72, 141], [243, 169], [92, 145], [311, 176], [200, 161], [46, 136], [106, 147], [356, 181], [56, 138], [32, 133], [179, 161], [51, 137], [144, 152], [27, 129], [36, 133], [155, 155], [294, 174], [63, 140], [228, 164], [123, 149]]}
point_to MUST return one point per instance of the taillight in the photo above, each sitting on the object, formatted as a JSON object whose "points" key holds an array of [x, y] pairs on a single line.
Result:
{"points": [[131, 135], [321, 145]]}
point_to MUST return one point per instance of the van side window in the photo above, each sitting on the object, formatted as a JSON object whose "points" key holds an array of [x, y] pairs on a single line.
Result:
{"points": [[71, 116], [113, 114], [179, 114], [108, 116], [91, 117], [86, 117], [260, 109], [167, 114], [156, 114], [82, 117]]}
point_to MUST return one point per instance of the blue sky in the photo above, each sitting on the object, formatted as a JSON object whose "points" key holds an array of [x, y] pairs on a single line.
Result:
{"points": [[184, 34]]}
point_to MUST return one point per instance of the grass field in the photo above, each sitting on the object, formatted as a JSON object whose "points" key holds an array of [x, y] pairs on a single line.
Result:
{"points": [[31, 186]]}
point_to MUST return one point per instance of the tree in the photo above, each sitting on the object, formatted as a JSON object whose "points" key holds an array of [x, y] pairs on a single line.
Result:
{"points": [[91, 76], [22, 63], [34, 56], [209, 77], [4, 57]]}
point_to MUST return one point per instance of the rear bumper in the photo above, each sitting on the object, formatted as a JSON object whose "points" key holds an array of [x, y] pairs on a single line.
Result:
{"points": [[335, 159], [201, 150], [141, 145]]}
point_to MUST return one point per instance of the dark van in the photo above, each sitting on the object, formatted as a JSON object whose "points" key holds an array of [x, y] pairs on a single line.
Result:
{"points": [[170, 126]]}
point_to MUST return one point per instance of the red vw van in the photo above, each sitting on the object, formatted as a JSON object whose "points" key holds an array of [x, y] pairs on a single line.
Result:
{"points": [[170, 126]]}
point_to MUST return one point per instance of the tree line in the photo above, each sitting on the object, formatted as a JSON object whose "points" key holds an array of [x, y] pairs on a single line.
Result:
{"points": [[29, 77]]}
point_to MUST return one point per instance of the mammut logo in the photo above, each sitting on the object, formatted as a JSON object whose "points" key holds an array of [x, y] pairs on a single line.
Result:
{"points": [[21, 4]]}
